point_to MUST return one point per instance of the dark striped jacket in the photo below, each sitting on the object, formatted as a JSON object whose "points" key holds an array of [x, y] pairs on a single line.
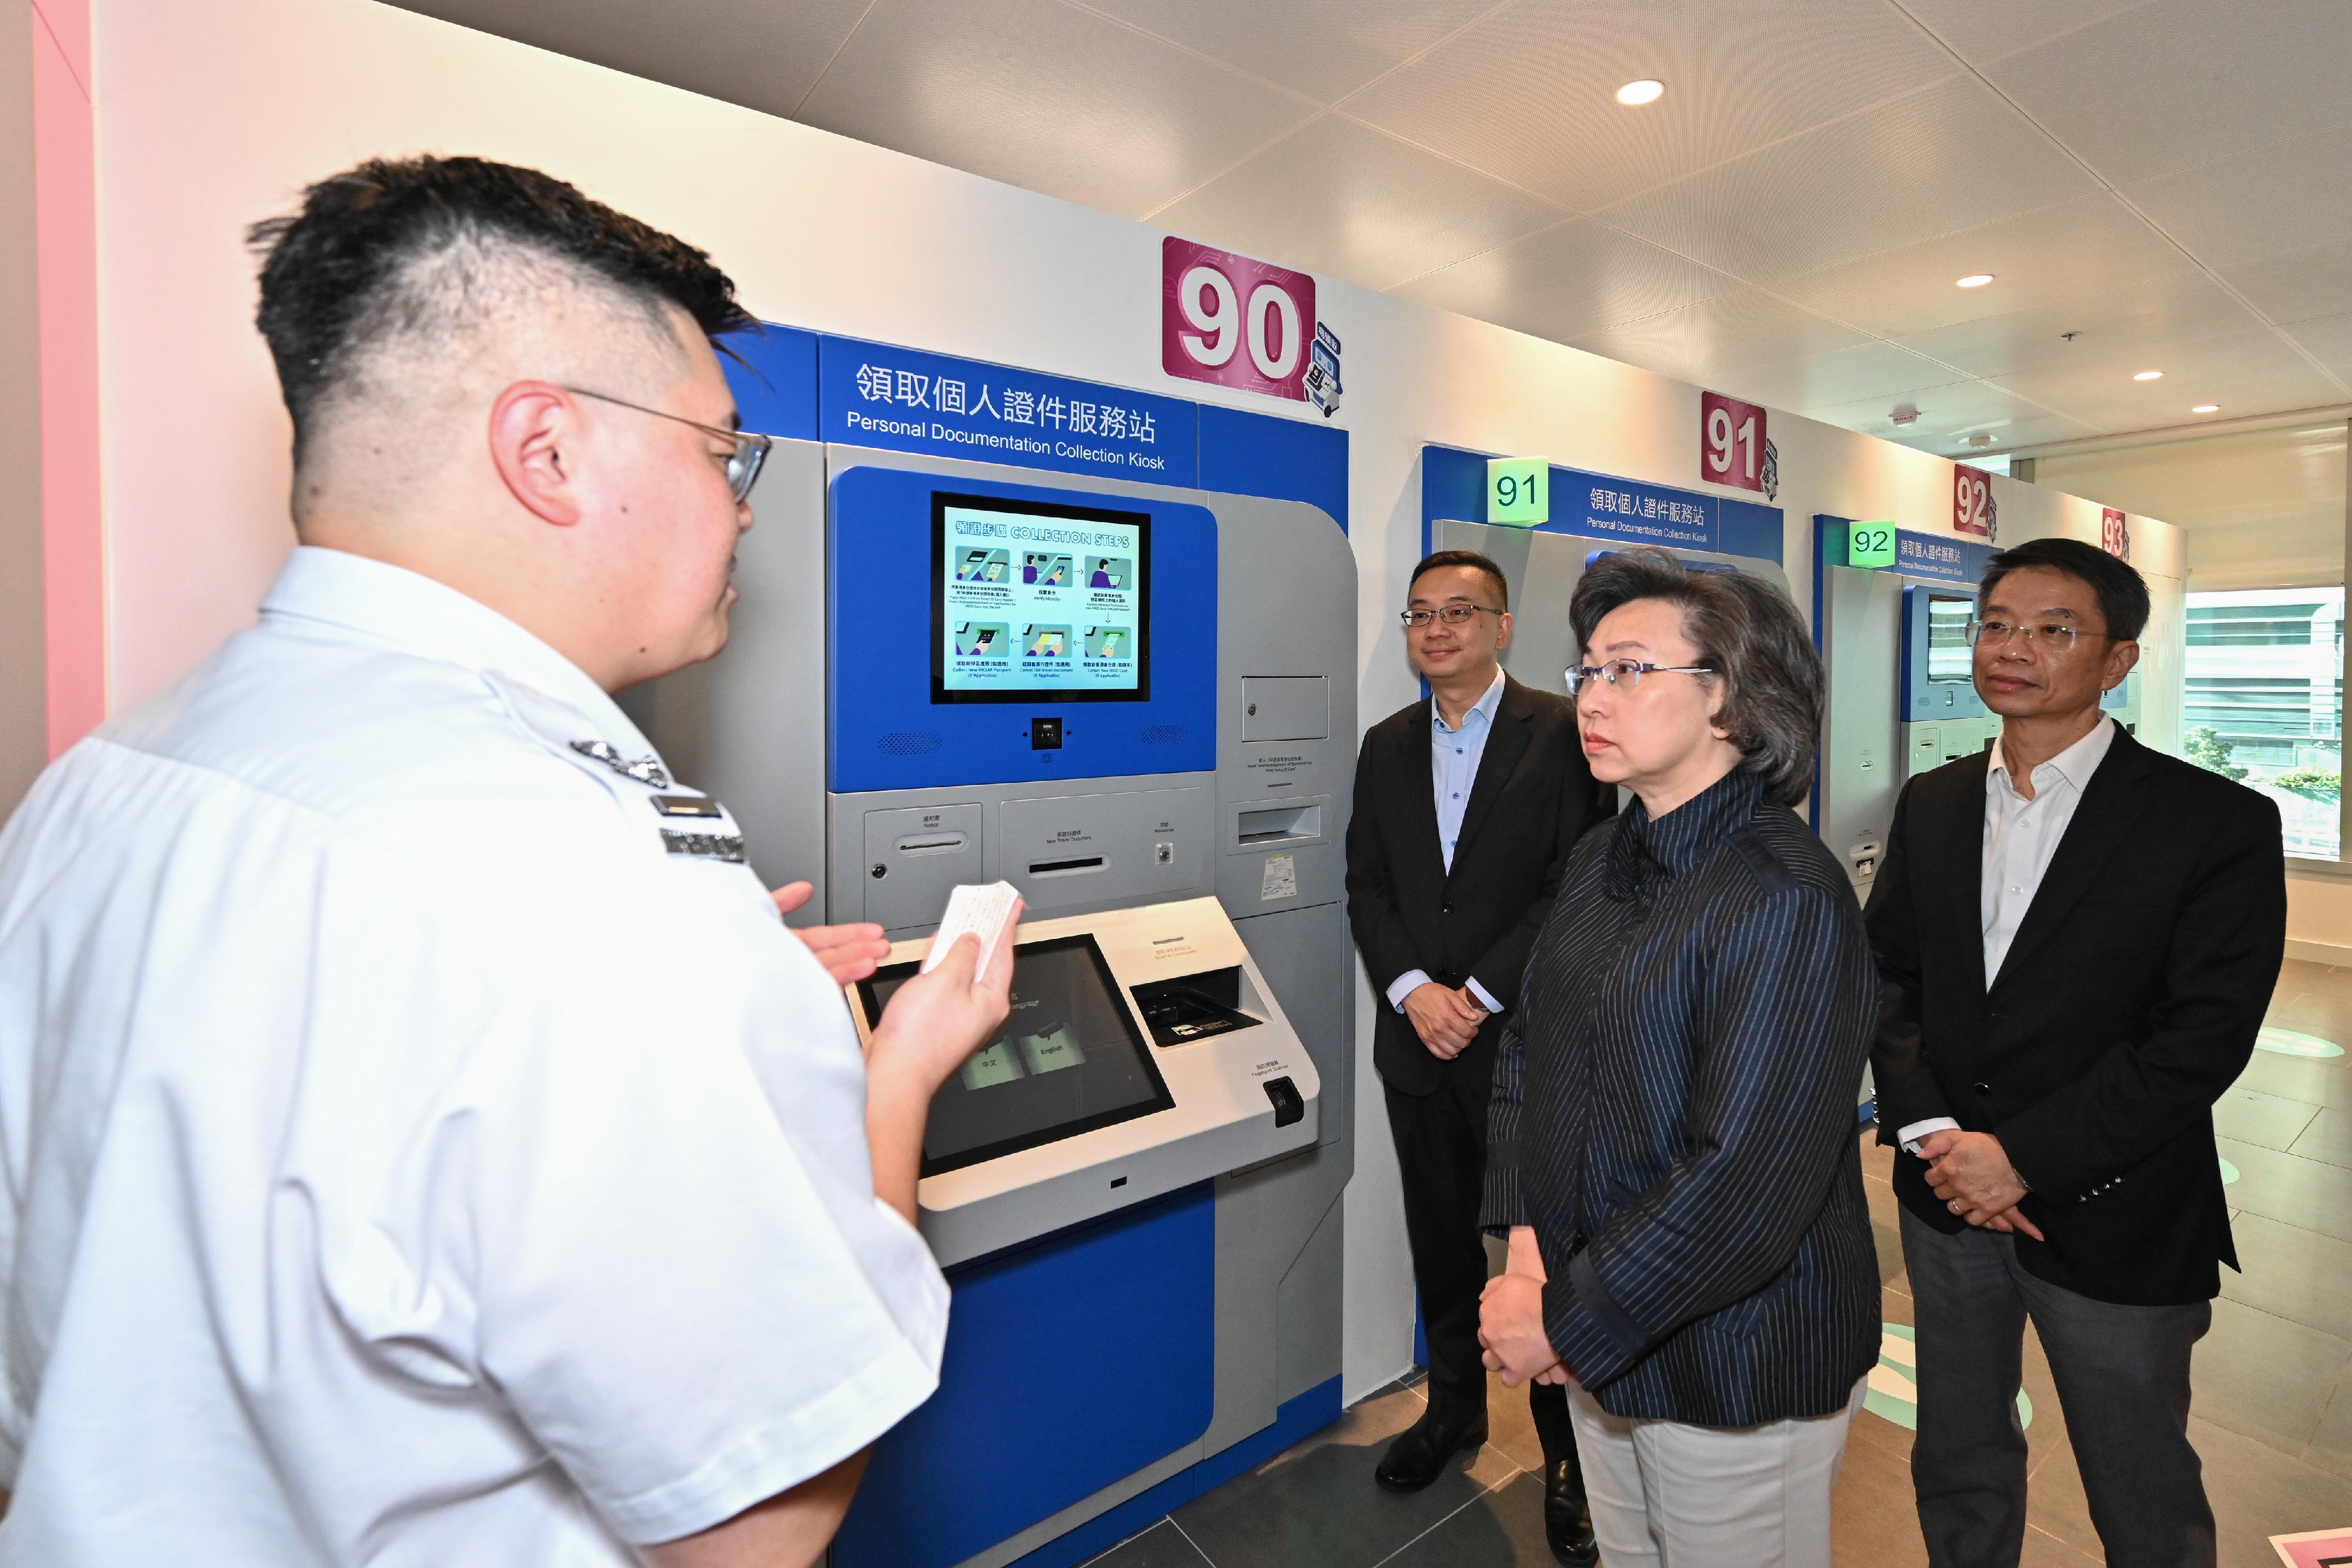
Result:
{"points": [[1673, 1114]]}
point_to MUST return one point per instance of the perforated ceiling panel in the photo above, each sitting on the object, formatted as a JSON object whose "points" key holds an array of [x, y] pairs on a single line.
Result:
{"points": [[2165, 179]]}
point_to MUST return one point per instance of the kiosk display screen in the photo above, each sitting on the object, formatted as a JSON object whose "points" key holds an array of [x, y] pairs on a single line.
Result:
{"points": [[1070, 1060], [1032, 601], [1948, 655]]}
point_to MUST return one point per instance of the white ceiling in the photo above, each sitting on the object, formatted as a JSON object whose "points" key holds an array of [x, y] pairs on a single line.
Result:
{"points": [[2170, 180]]}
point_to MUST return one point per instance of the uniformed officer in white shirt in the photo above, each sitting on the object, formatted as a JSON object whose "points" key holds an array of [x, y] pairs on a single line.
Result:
{"points": [[424, 1142]]}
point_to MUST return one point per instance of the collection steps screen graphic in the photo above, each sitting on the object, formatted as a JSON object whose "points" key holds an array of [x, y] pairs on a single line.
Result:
{"points": [[1035, 601]]}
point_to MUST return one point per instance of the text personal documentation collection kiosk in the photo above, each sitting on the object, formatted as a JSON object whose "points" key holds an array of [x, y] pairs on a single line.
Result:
{"points": [[1098, 644]]}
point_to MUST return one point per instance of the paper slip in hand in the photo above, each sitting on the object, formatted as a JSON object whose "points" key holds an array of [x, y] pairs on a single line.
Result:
{"points": [[982, 912]]}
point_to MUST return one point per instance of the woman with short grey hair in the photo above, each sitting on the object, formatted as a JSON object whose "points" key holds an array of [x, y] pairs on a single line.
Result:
{"points": [[1673, 1147]]}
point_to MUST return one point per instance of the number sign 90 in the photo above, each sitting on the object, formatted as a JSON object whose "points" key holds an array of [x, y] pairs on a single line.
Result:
{"points": [[1235, 322]]}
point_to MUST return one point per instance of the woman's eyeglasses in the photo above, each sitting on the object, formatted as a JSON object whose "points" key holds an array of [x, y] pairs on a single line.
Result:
{"points": [[1626, 673]]}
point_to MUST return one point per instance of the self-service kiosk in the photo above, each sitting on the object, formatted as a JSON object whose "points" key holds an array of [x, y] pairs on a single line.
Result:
{"points": [[1592, 514], [1902, 693], [1098, 644]]}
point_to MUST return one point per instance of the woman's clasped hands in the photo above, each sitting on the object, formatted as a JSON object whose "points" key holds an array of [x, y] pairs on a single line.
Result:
{"points": [[1510, 1318]]}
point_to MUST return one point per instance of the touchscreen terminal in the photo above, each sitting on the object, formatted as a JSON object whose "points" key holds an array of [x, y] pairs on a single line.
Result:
{"points": [[1070, 1060], [1950, 656], [1032, 601]]}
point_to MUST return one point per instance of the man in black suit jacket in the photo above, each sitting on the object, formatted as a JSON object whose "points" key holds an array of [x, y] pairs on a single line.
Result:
{"points": [[2076, 946], [1454, 854]]}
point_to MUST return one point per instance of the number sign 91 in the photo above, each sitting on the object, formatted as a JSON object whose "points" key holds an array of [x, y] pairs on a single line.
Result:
{"points": [[1730, 442], [1233, 321]]}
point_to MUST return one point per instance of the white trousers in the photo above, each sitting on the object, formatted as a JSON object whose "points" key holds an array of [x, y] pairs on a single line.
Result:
{"points": [[1665, 1494]]}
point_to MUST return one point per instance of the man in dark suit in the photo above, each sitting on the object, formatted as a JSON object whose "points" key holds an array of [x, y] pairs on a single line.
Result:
{"points": [[1467, 806], [2076, 945]]}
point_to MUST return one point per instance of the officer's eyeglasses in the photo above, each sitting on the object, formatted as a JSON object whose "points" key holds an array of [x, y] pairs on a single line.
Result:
{"points": [[1452, 614], [2056, 635], [1626, 673], [751, 449]]}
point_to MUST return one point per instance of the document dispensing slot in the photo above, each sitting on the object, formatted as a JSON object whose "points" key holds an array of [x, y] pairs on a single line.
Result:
{"points": [[1065, 868], [1188, 1007], [1280, 824]]}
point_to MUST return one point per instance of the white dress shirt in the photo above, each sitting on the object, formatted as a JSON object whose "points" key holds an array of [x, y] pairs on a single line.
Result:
{"points": [[2019, 837], [420, 1147], [1455, 753]]}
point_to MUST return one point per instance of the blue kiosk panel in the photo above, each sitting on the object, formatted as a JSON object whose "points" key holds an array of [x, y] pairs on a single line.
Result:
{"points": [[887, 732], [1070, 1363]]}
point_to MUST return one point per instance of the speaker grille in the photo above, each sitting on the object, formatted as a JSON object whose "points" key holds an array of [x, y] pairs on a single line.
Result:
{"points": [[1164, 733], [910, 742]]}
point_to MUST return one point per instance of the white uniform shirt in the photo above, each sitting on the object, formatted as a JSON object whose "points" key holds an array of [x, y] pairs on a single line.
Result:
{"points": [[2019, 838], [413, 1156]]}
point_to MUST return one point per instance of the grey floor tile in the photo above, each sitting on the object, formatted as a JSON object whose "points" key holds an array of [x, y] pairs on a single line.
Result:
{"points": [[1511, 1426], [1316, 1506], [2300, 1078], [2267, 1377], [2258, 1492], [1162, 1546], [2328, 1138], [2043, 1550], [2292, 1273], [2299, 1192], [1873, 1517], [1885, 1228], [2054, 1503], [2251, 1116], [2331, 1445], [1499, 1529]]}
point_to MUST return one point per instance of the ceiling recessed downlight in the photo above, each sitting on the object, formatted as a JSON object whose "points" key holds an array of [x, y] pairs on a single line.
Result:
{"points": [[1975, 281], [2207, 408], [2149, 376], [1633, 94]]}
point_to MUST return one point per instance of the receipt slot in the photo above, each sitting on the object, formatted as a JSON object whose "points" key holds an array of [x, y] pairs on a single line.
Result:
{"points": [[1145, 1053]]}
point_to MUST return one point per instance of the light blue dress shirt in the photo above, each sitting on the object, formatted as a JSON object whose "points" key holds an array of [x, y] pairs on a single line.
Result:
{"points": [[1453, 757]]}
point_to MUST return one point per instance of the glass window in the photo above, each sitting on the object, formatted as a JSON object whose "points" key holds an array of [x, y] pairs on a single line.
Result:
{"points": [[2264, 702]]}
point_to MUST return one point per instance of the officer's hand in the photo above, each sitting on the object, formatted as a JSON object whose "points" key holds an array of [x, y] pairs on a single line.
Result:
{"points": [[936, 1020], [1443, 1020], [849, 953]]}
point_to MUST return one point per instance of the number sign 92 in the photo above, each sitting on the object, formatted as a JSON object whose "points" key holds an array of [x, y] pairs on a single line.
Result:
{"points": [[1972, 507], [1870, 544], [1730, 442], [1233, 321]]}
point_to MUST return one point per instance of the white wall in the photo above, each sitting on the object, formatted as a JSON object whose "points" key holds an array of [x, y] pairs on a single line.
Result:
{"points": [[212, 113]]}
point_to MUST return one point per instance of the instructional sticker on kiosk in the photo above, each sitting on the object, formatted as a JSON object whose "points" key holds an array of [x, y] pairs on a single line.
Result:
{"points": [[1279, 880]]}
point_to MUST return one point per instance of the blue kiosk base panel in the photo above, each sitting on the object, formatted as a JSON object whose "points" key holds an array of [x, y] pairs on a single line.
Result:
{"points": [[1071, 1363], [1295, 1421]]}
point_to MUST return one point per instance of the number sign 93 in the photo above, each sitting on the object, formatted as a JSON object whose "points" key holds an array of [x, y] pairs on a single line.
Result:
{"points": [[1233, 321], [1730, 442]]}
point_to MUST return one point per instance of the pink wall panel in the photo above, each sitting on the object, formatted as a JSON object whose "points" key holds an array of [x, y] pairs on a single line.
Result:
{"points": [[72, 541]]}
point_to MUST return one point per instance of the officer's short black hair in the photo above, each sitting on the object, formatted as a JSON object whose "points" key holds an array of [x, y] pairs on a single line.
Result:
{"points": [[2121, 591], [1470, 558], [399, 248]]}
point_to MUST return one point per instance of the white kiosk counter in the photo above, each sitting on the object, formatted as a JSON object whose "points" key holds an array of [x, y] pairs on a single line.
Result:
{"points": [[1145, 1053]]}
